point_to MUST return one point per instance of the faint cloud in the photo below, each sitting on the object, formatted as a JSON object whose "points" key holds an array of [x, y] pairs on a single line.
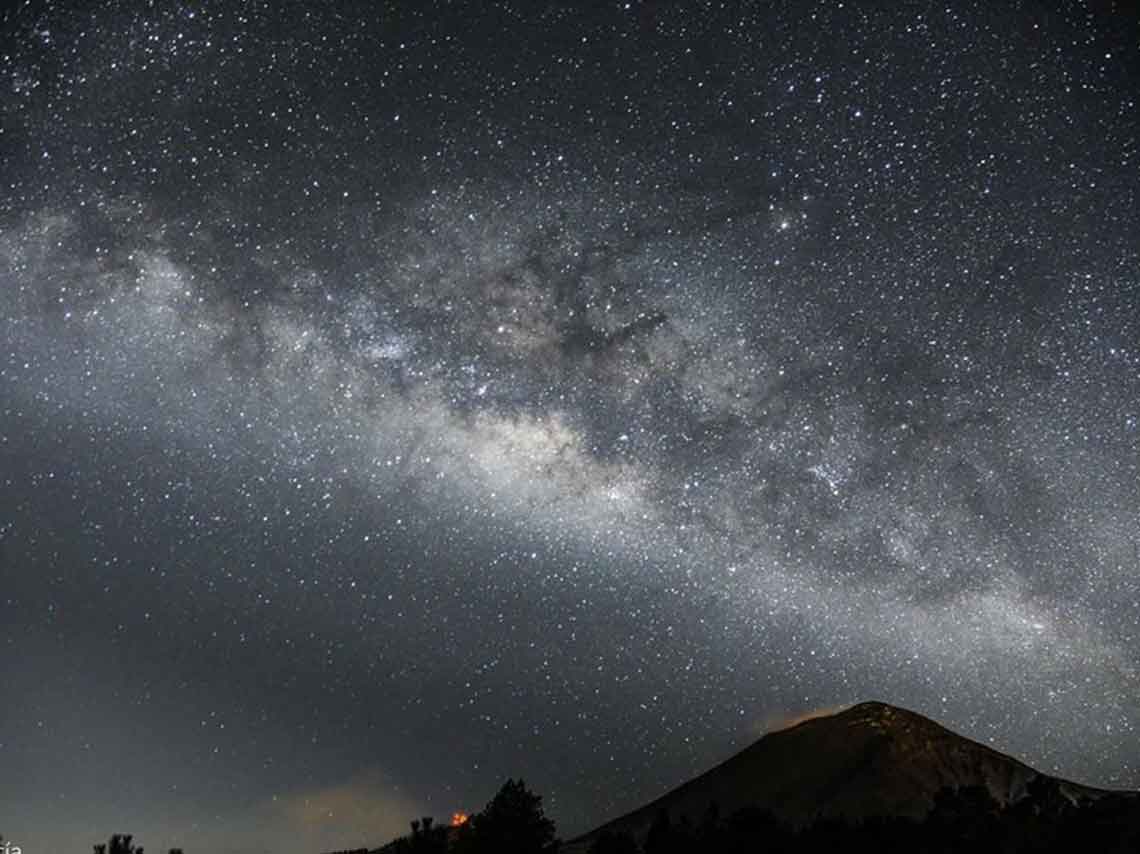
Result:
{"points": [[367, 810], [777, 722]]}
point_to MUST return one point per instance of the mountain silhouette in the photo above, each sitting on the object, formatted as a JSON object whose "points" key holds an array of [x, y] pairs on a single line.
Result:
{"points": [[870, 760]]}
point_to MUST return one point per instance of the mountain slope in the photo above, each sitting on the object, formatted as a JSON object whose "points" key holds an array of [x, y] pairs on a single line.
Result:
{"points": [[872, 759]]}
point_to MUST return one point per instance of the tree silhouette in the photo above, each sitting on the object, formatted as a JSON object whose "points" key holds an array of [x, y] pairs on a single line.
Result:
{"points": [[512, 823], [120, 843], [426, 838], [965, 818], [613, 842], [665, 837]]}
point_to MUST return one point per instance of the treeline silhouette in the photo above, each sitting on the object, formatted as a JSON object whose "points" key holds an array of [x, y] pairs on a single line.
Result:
{"points": [[513, 822], [123, 843], [968, 819]]}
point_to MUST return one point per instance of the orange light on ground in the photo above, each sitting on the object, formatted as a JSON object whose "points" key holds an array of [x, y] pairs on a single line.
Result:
{"points": [[459, 818]]}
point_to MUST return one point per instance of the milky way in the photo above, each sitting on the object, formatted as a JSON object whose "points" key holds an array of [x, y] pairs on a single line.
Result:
{"points": [[399, 398]]}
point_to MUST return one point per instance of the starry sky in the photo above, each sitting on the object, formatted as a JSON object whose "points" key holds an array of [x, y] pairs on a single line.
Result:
{"points": [[400, 396]]}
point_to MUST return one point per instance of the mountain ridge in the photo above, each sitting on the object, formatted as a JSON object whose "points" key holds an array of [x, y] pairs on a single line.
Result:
{"points": [[869, 760]]}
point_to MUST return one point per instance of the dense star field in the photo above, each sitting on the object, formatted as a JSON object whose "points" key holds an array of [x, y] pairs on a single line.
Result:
{"points": [[397, 397]]}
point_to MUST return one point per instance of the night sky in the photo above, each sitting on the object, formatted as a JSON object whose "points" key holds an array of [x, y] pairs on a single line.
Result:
{"points": [[400, 396]]}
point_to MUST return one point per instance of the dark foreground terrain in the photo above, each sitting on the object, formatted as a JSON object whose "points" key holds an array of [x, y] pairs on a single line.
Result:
{"points": [[879, 777], [872, 778]]}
